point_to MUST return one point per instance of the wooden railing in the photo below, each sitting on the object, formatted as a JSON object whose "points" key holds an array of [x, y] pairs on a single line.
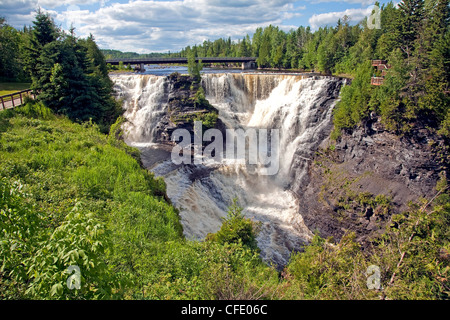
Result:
{"points": [[376, 63], [376, 81], [15, 99]]}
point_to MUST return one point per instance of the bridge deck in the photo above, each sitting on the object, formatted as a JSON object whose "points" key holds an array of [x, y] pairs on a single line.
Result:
{"points": [[180, 60]]}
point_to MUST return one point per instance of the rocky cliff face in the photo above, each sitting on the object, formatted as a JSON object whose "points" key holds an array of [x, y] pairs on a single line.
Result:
{"points": [[184, 105], [368, 175]]}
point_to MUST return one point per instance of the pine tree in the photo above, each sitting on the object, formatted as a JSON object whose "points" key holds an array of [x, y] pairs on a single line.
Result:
{"points": [[430, 58], [97, 74], [44, 32], [264, 51], [412, 12], [194, 67], [244, 49]]}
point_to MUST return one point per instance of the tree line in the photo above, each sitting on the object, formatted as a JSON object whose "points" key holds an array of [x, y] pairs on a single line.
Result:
{"points": [[116, 54]]}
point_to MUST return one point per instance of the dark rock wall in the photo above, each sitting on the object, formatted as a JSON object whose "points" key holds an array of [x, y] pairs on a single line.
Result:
{"points": [[369, 161]]}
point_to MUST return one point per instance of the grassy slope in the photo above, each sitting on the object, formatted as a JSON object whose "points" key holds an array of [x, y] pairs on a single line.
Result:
{"points": [[63, 165]]}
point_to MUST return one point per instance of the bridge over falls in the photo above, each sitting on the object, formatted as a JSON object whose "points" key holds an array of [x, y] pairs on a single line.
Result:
{"points": [[247, 62]]}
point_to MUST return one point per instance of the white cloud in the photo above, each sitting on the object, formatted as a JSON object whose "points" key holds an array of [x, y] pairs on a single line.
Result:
{"points": [[362, 2], [356, 15], [60, 3], [157, 26], [51, 4], [145, 26]]}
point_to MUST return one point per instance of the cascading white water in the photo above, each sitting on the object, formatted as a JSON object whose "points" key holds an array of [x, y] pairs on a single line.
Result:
{"points": [[144, 100], [299, 107]]}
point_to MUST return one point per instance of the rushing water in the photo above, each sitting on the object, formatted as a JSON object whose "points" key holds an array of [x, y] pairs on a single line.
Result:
{"points": [[300, 107]]}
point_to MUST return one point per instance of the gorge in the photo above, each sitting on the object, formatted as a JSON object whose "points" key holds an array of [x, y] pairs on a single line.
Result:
{"points": [[294, 203], [300, 107]]}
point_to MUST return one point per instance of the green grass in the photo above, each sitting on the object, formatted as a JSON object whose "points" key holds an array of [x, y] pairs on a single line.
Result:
{"points": [[12, 87], [76, 179]]}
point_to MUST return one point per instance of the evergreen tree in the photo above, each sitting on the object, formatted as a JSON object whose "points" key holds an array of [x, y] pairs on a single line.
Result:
{"points": [[65, 63], [412, 12], [430, 59], [97, 73], [244, 49], [70, 74], [44, 32], [263, 59], [194, 67]]}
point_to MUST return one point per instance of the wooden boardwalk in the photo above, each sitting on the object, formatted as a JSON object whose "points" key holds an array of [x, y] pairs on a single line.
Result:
{"points": [[16, 99]]}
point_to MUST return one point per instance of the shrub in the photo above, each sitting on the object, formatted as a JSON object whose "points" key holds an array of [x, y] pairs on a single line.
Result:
{"points": [[236, 228]]}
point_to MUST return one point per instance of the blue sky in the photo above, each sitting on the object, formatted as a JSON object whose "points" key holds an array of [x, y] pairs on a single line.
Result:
{"points": [[159, 26]]}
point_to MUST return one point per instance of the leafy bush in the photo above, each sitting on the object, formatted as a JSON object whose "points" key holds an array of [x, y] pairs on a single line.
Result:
{"points": [[237, 229], [60, 165], [354, 103]]}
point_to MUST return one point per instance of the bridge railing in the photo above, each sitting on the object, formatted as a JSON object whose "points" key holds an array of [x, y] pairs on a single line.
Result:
{"points": [[180, 60], [15, 99]]}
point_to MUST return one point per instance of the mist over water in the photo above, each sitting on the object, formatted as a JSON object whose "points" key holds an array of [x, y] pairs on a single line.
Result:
{"points": [[298, 106]]}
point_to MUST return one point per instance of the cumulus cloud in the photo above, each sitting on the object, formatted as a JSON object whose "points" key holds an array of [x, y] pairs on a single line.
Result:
{"points": [[361, 2], [157, 26], [355, 15], [145, 26], [60, 3]]}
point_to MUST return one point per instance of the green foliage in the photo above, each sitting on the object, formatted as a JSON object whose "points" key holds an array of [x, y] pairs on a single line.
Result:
{"points": [[236, 229], [69, 74], [79, 241], [354, 103], [20, 226], [36, 259], [200, 102], [419, 267], [326, 271], [208, 120], [412, 256], [206, 270], [11, 43], [116, 54], [445, 126], [37, 110], [194, 67], [92, 205]]}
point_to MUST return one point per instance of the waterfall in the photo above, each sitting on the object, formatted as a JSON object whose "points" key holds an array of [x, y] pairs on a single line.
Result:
{"points": [[298, 106], [145, 98]]}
